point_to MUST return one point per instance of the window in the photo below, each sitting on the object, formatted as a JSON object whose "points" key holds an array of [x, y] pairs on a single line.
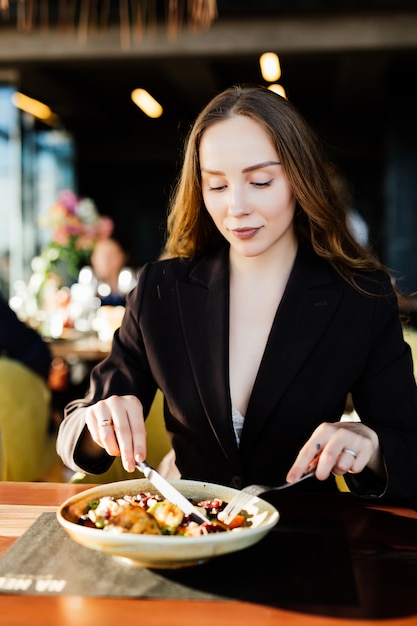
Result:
{"points": [[35, 164]]}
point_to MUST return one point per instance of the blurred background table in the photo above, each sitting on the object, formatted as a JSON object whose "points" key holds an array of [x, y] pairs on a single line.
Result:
{"points": [[85, 347], [74, 356]]}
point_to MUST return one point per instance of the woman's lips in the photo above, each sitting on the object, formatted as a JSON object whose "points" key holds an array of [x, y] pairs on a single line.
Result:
{"points": [[245, 233]]}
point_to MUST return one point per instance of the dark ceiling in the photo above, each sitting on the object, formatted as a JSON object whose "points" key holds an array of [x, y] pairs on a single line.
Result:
{"points": [[91, 93], [338, 92], [123, 158]]}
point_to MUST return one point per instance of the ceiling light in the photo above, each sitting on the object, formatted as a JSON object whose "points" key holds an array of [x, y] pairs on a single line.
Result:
{"points": [[270, 67], [146, 102], [279, 89], [33, 107]]}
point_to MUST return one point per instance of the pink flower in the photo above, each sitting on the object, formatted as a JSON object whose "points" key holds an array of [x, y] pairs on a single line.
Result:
{"points": [[68, 200], [75, 227]]}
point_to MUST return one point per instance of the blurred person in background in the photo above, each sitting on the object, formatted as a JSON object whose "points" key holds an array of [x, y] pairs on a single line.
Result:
{"points": [[109, 262], [22, 343]]}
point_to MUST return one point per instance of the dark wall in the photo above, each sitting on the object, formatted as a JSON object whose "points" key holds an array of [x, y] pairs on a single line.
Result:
{"points": [[136, 197], [400, 183]]}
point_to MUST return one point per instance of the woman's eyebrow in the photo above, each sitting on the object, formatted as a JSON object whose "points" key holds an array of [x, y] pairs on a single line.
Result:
{"points": [[251, 168], [218, 172], [258, 166]]}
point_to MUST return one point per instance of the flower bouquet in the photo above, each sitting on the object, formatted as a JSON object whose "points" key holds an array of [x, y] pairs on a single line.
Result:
{"points": [[75, 227]]}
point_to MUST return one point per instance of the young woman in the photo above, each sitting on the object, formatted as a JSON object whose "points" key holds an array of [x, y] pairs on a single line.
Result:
{"points": [[264, 316]]}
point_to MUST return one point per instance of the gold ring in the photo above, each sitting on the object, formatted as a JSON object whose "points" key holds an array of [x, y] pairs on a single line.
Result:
{"points": [[105, 423], [351, 452]]}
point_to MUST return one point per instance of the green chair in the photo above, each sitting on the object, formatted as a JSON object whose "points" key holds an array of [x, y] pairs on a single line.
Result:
{"points": [[410, 335], [27, 450]]}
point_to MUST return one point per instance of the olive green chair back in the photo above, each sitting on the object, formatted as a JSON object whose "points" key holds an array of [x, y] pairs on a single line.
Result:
{"points": [[27, 450]]}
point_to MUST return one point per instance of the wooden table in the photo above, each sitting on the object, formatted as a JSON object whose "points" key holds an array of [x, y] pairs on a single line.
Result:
{"points": [[382, 544]]}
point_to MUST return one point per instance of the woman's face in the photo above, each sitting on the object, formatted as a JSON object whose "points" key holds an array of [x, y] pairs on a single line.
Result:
{"points": [[107, 259], [244, 187]]}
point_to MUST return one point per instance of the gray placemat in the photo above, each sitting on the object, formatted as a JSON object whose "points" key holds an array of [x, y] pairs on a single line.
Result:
{"points": [[46, 561]]}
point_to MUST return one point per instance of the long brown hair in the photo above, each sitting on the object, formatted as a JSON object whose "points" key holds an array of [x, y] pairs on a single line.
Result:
{"points": [[320, 219]]}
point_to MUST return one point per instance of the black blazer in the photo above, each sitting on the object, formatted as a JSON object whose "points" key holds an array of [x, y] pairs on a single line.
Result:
{"points": [[327, 339]]}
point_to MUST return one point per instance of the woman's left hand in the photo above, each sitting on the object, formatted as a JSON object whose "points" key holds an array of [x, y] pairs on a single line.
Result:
{"points": [[338, 448]]}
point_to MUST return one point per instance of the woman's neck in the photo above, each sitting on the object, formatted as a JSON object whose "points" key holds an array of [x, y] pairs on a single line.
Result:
{"points": [[275, 263]]}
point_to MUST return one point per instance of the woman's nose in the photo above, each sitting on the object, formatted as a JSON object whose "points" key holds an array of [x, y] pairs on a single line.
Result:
{"points": [[237, 205]]}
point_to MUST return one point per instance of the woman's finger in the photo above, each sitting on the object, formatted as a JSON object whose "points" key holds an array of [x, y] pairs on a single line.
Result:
{"points": [[117, 425]]}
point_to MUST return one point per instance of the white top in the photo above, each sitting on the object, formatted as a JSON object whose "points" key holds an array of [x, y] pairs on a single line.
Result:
{"points": [[238, 420]]}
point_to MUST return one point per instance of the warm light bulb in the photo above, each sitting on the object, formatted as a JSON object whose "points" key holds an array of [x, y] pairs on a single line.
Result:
{"points": [[32, 106], [146, 103], [279, 89], [270, 66]]}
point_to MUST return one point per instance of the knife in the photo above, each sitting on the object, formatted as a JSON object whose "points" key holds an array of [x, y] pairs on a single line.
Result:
{"points": [[170, 493]]}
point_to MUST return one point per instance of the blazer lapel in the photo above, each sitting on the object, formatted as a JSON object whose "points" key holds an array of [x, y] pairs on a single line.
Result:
{"points": [[204, 311], [305, 311]]}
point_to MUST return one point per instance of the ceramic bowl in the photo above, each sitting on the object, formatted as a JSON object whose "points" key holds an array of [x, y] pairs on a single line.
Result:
{"points": [[165, 551]]}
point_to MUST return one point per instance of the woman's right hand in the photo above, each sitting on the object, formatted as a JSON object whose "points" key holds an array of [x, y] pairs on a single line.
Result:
{"points": [[117, 425]]}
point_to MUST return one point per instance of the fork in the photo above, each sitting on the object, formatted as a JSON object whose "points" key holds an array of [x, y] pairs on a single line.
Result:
{"points": [[248, 493]]}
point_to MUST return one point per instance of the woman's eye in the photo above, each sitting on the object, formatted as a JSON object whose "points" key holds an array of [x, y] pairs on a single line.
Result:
{"points": [[217, 188], [266, 184]]}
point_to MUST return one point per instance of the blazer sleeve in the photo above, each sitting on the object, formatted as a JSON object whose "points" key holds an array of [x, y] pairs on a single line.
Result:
{"points": [[385, 396], [125, 371]]}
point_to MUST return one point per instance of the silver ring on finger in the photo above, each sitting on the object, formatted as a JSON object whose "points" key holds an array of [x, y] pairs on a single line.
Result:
{"points": [[103, 423], [351, 452]]}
